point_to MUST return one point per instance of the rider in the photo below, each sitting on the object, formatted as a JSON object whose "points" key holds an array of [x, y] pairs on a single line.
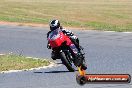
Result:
{"points": [[55, 24]]}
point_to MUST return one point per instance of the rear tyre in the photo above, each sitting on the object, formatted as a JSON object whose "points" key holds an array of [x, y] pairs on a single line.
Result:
{"points": [[66, 62]]}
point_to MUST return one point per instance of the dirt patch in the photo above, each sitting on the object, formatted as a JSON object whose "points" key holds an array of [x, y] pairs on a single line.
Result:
{"points": [[23, 24], [36, 25]]}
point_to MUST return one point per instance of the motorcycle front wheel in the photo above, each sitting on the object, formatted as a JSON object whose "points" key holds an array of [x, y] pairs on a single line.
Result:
{"points": [[66, 62]]}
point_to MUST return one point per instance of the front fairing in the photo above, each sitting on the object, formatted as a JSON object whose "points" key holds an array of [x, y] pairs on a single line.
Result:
{"points": [[56, 38]]}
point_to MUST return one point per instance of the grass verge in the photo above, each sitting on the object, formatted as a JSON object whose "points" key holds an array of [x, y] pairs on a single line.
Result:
{"points": [[16, 62], [110, 15]]}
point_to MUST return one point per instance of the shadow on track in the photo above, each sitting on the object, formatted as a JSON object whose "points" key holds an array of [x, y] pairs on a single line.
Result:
{"points": [[55, 72], [59, 63]]}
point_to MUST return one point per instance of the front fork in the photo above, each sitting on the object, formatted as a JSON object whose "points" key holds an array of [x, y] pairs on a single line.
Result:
{"points": [[69, 55]]}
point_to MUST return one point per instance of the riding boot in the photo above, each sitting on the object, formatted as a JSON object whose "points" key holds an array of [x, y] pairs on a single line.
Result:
{"points": [[84, 66], [80, 61], [54, 55]]}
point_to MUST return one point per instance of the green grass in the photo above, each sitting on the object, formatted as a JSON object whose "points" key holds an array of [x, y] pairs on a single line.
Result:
{"points": [[16, 62], [110, 15]]}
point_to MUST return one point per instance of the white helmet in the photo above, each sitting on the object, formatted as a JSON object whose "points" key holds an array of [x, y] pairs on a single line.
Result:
{"points": [[54, 24]]}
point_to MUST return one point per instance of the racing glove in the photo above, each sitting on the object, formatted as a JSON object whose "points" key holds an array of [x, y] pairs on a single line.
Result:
{"points": [[48, 46]]}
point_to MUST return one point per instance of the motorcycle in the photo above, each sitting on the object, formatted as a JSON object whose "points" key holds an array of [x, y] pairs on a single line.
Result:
{"points": [[65, 48]]}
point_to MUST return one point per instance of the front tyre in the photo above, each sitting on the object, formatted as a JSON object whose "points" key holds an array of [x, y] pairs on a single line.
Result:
{"points": [[66, 62]]}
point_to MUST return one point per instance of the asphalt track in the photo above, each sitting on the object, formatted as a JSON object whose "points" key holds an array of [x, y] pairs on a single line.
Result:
{"points": [[106, 52]]}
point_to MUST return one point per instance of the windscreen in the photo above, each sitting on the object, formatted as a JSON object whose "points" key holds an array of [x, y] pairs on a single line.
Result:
{"points": [[54, 34]]}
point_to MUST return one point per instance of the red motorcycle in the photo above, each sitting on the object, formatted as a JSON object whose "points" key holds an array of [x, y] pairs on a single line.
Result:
{"points": [[64, 47]]}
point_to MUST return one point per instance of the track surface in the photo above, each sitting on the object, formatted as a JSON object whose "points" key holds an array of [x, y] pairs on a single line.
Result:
{"points": [[106, 52]]}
